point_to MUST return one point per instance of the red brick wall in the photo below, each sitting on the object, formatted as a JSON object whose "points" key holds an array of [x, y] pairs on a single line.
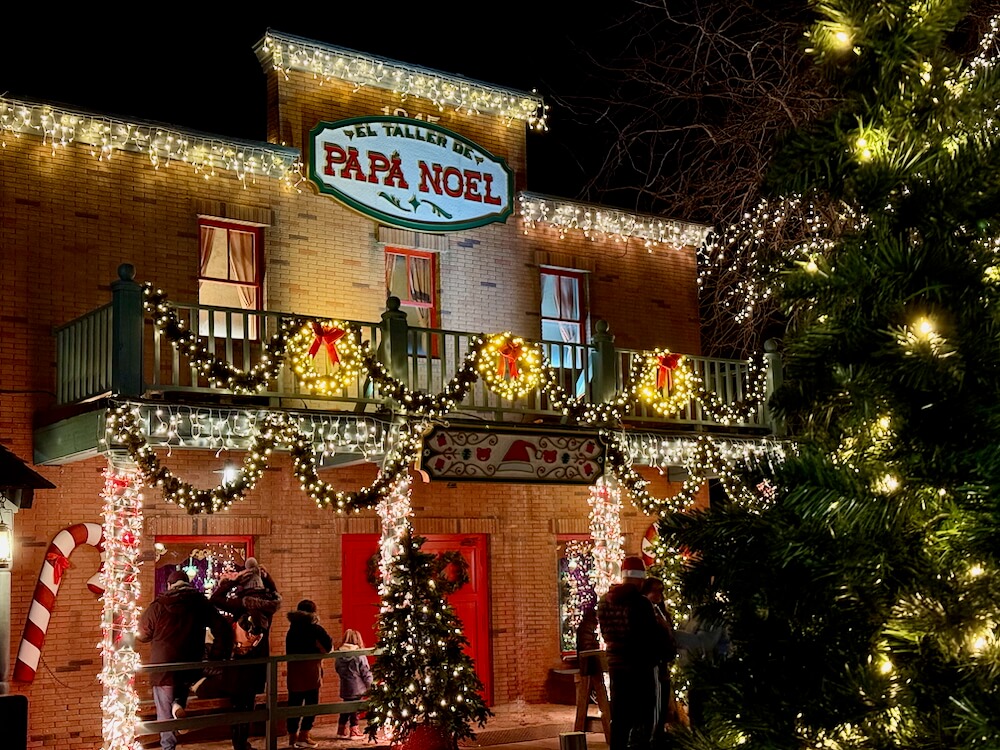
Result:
{"points": [[303, 553], [67, 220]]}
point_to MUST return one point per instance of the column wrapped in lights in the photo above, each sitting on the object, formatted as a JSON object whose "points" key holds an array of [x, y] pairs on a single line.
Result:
{"points": [[605, 529], [122, 537], [395, 511]]}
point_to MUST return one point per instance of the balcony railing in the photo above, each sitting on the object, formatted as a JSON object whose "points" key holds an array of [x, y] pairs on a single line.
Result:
{"points": [[118, 350]]}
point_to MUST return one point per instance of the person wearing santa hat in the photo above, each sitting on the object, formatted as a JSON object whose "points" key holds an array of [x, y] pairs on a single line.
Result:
{"points": [[635, 644]]}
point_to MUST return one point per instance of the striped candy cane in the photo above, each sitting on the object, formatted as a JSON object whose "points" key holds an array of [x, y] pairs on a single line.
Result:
{"points": [[53, 566]]}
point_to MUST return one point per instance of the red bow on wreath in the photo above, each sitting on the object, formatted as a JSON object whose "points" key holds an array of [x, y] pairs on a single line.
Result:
{"points": [[326, 337], [668, 362], [59, 563], [507, 364]]}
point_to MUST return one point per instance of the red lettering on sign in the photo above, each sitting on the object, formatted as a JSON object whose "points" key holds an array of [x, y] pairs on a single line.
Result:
{"points": [[376, 163], [489, 197], [456, 191], [426, 177], [352, 168], [395, 176], [334, 155], [472, 186]]}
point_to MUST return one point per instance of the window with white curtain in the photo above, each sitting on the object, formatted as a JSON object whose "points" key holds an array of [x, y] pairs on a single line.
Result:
{"points": [[229, 275], [411, 275], [564, 313]]}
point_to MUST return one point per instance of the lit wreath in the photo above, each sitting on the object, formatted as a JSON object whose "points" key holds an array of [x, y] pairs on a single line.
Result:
{"points": [[451, 571], [510, 366], [665, 383], [340, 341]]}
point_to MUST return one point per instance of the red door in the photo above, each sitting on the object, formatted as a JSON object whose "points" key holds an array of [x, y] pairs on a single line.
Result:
{"points": [[471, 602]]}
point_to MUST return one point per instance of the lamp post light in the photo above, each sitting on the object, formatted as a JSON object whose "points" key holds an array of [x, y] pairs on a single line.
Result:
{"points": [[6, 545], [18, 483]]}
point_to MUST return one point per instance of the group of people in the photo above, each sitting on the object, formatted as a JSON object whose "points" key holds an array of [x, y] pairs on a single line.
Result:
{"points": [[183, 625], [640, 645]]}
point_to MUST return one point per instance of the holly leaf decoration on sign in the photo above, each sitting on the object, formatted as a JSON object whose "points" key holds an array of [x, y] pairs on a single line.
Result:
{"points": [[394, 201]]}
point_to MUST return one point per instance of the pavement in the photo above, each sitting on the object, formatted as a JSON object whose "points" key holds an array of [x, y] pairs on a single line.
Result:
{"points": [[516, 726]]}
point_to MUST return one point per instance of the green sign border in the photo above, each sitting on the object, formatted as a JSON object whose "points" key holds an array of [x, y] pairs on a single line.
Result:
{"points": [[395, 220]]}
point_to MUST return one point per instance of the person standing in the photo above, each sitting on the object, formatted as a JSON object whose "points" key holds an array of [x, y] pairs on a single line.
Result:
{"points": [[251, 606], [175, 625], [652, 589], [355, 679], [305, 636], [636, 643]]}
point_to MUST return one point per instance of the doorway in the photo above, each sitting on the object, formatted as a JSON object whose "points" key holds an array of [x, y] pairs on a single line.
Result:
{"points": [[471, 603]]}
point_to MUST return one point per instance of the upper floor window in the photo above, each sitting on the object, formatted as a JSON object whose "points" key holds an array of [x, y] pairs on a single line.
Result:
{"points": [[564, 313], [410, 275], [563, 306], [230, 271]]}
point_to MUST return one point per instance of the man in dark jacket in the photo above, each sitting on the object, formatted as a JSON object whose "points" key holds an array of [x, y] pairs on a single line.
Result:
{"points": [[175, 625], [635, 645]]}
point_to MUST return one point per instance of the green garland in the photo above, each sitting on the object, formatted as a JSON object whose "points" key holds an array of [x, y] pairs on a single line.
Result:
{"points": [[123, 423], [124, 428], [221, 374]]}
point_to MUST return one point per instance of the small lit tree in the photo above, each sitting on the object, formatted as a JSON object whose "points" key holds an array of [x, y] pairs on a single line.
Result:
{"points": [[425, 685]]}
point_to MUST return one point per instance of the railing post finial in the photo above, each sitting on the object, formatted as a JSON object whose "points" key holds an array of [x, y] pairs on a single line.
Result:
{"points": [[126, 333], [604, 383], [394, 334]]}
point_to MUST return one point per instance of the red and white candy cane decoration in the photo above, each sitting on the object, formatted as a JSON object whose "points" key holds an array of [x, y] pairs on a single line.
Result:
{"points": [[53, 566]]}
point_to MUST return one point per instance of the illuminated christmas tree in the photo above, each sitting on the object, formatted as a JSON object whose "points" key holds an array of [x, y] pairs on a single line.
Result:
{"points": [[426, 693], [862, 596]]}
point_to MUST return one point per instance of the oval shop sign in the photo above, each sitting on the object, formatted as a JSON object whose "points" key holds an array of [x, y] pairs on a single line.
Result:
{"points": [[410, 173]]}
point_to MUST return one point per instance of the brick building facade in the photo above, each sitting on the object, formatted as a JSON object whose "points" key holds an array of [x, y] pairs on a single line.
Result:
{"points": [[70, 216]]}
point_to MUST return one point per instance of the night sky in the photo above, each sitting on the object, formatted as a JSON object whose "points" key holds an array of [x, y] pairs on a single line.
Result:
{"points": [[195, 67]]}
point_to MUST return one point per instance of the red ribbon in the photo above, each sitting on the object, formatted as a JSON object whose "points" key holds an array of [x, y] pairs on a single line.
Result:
{"points": [[507, 364], [59, 565], [326, 337], [668, 362]]}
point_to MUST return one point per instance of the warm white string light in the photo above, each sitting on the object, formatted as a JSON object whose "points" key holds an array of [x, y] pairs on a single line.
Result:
{"points": [[395, 512], [106, 136], [592, 220], [120, 618], [327, 62], [606, 531], [215, 428]]}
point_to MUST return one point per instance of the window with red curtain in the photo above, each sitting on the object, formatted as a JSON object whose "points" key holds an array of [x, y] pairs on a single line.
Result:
{"points": [[230, 271]]}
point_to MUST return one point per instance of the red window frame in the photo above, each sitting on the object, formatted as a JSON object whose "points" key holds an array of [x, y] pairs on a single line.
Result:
{"points": [[257, 285], [408, 301], [432, 257]]}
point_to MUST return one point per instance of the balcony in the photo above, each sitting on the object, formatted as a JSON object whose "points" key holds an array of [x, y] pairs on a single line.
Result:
{"points": [[124, 349]]}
